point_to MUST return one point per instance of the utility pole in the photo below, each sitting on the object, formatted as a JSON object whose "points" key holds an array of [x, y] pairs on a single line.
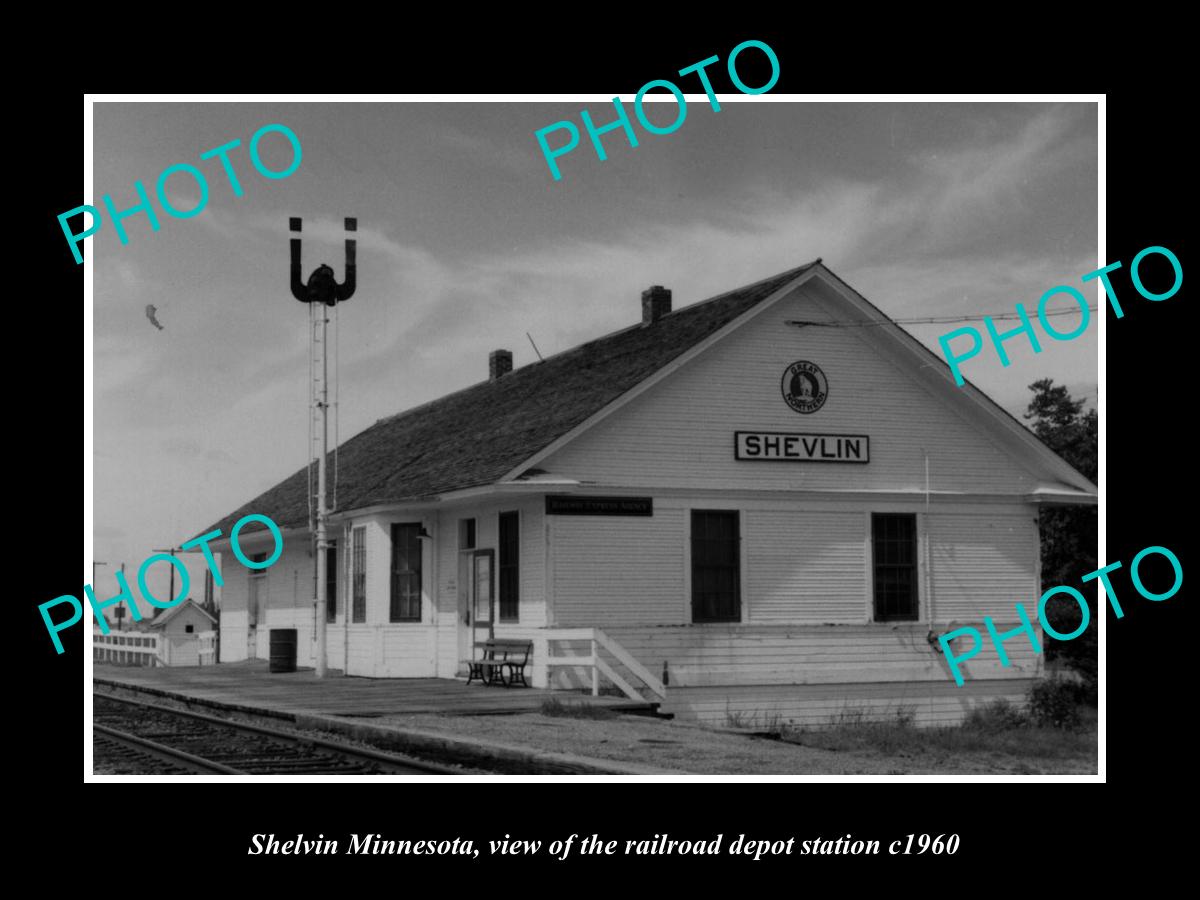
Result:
{"points": [[320, 292], [170, 552], [95, 563], [119, 609]]}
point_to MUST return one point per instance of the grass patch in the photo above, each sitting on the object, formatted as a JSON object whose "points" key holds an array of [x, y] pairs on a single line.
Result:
{"points": [[994, 717], [552, 706], [761, 723], [997, 728]]}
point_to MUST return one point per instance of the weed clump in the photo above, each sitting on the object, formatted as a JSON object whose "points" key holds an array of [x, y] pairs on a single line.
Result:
{"points": [[994, 717]]}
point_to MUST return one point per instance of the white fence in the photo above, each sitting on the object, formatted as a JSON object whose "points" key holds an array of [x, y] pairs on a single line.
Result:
{"points": [[148, 648]]}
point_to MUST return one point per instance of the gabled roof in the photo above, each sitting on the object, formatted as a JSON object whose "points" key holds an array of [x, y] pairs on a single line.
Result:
{"points": [[996, 419], [477, 435], [166, 615]]}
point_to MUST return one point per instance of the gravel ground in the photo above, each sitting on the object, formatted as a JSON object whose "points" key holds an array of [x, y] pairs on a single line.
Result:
{"points": [[684, 747], [689, 748]]}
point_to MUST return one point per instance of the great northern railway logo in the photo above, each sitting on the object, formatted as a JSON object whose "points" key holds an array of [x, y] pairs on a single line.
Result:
{"points": [[804, 387]]}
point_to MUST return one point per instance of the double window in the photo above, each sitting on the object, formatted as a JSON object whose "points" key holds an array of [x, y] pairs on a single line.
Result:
{"points": [[894, 539], [716, 571], [331, 582], [358, 574], [406, 573]]}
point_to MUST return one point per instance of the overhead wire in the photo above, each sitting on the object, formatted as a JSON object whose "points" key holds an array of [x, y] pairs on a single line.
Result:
{"points": [[929, 320]]}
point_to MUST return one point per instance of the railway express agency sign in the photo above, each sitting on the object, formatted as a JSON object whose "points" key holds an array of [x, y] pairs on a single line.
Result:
{"points": [[775, 445]]}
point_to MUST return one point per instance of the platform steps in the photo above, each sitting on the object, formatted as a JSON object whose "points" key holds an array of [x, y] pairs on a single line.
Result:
{"points": [[593, 649]]}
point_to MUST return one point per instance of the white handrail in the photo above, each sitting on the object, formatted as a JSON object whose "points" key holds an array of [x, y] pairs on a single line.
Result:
{"points": [[598, 639], [627, 660]]}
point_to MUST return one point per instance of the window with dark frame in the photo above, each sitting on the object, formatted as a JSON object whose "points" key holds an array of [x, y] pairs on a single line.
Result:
{"points": [[894, 539], [466, 534], [509, 566], [406, 573], [331, 582], [358, 576], [716, 576]]}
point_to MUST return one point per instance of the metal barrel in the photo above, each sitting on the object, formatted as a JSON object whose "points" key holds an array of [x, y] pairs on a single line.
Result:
{"points": [[283, 650]]}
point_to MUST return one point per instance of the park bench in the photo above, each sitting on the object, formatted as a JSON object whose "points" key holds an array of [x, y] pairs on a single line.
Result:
{"points": [[499, 655]]}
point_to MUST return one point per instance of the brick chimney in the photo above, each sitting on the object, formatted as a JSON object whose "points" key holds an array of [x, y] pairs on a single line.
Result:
{"points": [[499, 364], [656, 303]]}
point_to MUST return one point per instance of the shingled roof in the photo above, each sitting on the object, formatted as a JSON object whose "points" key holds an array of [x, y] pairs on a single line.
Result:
{"points": [[475, 436]]}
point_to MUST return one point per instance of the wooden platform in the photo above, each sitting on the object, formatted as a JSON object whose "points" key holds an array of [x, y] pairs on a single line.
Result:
{"points": [[248, 685]]}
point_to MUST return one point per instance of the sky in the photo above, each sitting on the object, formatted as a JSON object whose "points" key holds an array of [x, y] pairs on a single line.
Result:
{"points": [[466, 242]]}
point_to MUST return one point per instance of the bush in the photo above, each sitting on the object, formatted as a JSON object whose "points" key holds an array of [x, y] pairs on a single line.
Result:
{"points": [[999, 715], [1054, 703], [1079, 655]]}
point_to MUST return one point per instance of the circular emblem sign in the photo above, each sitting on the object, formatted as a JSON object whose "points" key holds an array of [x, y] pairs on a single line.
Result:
{"points": [[804, 387]]}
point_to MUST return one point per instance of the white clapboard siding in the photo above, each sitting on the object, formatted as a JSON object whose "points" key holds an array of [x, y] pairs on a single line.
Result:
{"points": [[232, 647], [335, 644], [804, 566], [446, 600], [532, 604], [760, 706], [681, 432], [983, 565], [408, 652], [286, 586], [616, 570], [709, 655], [396, 651], [182, 649], [379, 561], [361, 649]]}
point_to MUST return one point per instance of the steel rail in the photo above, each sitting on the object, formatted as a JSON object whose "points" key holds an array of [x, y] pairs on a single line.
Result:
{"points": [[170, 753], [346, 750]]}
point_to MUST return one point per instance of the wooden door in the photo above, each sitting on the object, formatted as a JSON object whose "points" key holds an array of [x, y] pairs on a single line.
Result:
{"points": [[252, 607]]}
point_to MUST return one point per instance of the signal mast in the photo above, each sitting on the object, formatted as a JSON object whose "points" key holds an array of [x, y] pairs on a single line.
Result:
{"points": [[321, 292]]}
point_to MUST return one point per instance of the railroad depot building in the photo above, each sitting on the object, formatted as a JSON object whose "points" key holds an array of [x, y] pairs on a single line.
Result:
{"points": [[726, 508]]}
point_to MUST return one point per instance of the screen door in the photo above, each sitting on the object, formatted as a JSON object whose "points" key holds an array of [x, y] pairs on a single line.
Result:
{"points": [[483, 594]]}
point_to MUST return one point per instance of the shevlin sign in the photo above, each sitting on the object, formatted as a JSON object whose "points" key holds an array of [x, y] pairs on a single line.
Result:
{"points": [[776, 445]]}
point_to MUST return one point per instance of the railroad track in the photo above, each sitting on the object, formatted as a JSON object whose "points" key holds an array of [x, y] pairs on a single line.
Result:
{"points": [[135, 737]]}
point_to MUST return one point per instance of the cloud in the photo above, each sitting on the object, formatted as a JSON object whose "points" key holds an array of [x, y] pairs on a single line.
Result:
{"points": [[220, 397], [442, 312], [486, 152]]}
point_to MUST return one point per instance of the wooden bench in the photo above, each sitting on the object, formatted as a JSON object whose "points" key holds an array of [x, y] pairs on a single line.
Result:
{"points": [[499, 655]]}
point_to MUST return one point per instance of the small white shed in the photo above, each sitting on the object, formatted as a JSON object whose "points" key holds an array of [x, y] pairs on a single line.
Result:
{"points": [[179, 629]]}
